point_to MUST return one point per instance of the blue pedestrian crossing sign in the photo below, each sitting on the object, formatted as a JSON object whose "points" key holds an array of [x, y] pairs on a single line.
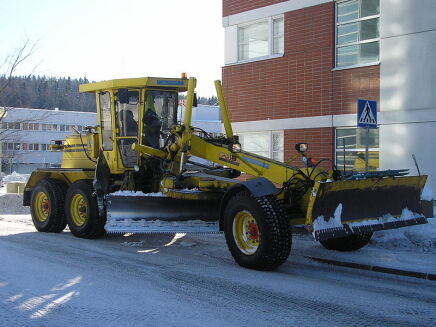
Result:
{"points": [[366, 113]]}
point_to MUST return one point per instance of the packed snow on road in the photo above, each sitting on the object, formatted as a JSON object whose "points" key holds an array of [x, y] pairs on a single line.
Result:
{"points": [[191, 280]]}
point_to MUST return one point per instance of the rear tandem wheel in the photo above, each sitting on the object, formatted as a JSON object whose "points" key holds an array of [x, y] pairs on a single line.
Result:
{"points": [[257, 231], [47, 206], [81, 211]]}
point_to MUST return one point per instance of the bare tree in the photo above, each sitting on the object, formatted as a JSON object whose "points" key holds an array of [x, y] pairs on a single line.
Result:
{"points": [[9, 67]]}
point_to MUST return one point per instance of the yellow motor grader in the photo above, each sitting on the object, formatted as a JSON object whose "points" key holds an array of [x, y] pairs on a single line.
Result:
{"points": [[145, 169]]}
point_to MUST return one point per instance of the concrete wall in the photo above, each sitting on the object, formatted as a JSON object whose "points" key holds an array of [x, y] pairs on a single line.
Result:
{"points": [[408, 83], [398, 143]]}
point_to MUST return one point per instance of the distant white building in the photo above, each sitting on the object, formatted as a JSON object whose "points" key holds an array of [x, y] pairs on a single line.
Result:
{"points": [[205, 117], [26, 133]]}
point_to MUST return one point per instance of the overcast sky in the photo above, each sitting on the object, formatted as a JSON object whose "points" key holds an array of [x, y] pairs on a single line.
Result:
{"points": [[106, 39]]}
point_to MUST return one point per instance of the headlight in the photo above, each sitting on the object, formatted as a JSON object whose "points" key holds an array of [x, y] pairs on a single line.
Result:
{"points": [[235, 147], [301, 147]]}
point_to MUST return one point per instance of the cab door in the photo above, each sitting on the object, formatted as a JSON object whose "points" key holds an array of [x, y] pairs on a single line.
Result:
{"points": [[106, 128], [126, 124]]}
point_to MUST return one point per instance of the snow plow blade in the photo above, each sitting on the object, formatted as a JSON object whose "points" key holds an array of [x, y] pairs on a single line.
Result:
{"points": [[160, 214], [340, 208]]}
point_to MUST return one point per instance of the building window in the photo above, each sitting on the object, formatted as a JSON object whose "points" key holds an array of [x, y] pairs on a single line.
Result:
{"points": [[266, 144], [350, 143], [49, 127], [278, 36], [13, 125], [357, 32], [261, 39]]}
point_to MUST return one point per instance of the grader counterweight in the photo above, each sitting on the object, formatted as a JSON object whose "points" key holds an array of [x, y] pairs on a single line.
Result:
{"points": [[136, 172]]}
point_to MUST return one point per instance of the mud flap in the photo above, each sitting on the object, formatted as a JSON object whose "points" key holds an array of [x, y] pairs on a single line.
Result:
{"points": [[340, 208]]}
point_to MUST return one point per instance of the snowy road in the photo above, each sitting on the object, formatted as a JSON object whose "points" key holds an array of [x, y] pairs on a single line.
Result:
{"points": [[162, 280]]}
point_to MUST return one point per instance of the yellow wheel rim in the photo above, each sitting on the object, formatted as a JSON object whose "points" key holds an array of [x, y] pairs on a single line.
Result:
{"points": [[78, 210], [41, 206], [246, 232]]}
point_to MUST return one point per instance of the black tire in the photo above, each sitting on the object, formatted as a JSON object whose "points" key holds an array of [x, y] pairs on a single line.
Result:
{"points": [[89, 224], [351, 242], [274, 234], [49, 193]]}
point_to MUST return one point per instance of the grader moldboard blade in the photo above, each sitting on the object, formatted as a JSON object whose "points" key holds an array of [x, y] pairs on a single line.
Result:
{"points": [[341, 208], [156, 213]]}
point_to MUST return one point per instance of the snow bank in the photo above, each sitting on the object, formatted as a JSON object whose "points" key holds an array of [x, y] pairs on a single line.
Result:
{"points": [[321, 223], [15, 177], [422, 237], [158, 194], [406, 214], [427, 194], [12, 204], [137, 193]]}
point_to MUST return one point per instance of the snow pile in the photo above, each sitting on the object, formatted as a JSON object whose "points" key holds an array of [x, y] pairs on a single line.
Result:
{"points": [[15, 177], [406, 214], [421, 237], [157, 195], [427, 194], [137, 193], [12, 204], [321, 223]]}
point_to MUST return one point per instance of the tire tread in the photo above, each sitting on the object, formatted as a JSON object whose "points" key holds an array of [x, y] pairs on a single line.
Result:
{"points": [[280, 235], [94, 228]]}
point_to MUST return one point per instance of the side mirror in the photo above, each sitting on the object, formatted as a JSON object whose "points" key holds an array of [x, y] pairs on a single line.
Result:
{"points": [[301, 147], [195, 101], [123, 95]]}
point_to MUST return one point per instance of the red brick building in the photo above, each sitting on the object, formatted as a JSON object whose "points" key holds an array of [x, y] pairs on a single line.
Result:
{"points": [[281, 75], [294, 70]]}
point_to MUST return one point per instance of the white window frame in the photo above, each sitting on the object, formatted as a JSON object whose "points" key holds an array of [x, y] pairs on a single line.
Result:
{"points": [[339, 148], [270, 149], [271, 53], [360, 19]]}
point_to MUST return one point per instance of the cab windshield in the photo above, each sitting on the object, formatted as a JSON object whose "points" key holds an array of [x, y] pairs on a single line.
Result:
{"points": [[159, 115]]}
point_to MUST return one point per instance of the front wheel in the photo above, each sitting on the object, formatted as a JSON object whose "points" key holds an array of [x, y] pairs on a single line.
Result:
{"points": [[257, 231], [81, 211], [351, 242]]}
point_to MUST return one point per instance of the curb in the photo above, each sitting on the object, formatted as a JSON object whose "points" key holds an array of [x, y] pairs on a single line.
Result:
{"points": [[376, 268]]}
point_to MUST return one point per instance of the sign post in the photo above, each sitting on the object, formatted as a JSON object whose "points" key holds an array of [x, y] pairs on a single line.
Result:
{"points": [[366, 118]]}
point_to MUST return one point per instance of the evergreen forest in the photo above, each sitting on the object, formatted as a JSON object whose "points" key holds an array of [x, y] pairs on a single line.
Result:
{"points": [[41, 92]]}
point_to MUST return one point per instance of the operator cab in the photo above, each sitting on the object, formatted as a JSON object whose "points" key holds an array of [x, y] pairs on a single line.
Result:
{"points": [[136, 110]]}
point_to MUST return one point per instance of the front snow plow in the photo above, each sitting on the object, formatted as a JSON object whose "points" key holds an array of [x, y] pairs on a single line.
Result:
{"points": [[342, 208]]}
